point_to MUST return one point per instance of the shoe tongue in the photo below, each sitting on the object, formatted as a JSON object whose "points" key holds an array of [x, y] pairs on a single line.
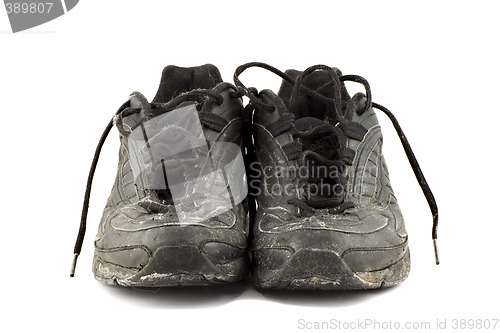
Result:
{"points": [[318, 136], [176, 80], [308, 123], [305, 105]]}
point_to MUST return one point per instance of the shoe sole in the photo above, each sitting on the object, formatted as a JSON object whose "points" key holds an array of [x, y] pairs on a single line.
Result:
{"points": [[309, 269], [172, 266]]}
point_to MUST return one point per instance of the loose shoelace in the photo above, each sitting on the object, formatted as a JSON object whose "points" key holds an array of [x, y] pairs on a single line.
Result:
{"points": [[210, 120], [342, 116]]}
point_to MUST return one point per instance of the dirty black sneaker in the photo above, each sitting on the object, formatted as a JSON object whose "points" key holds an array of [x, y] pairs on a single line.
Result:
{"points": [[177, 214], [326, 216]]}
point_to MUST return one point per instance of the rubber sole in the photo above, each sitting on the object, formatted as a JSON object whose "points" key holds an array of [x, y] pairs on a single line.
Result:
{"points": [[309, 269], [172, 266]]}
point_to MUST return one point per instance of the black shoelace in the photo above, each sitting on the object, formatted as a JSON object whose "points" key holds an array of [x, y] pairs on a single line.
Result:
{"points": [[208, 119], [342, 114]]}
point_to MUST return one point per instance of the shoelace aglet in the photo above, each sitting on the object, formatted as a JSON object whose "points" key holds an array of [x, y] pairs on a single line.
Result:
{"points": [[73, 265], [436, 253]]}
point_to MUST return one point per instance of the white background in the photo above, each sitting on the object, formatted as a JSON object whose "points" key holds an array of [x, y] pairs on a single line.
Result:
{"points": [[434, 64]]}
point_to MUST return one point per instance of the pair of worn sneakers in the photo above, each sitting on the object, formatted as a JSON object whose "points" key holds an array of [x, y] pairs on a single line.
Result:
{"points": [[292, 187]]}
